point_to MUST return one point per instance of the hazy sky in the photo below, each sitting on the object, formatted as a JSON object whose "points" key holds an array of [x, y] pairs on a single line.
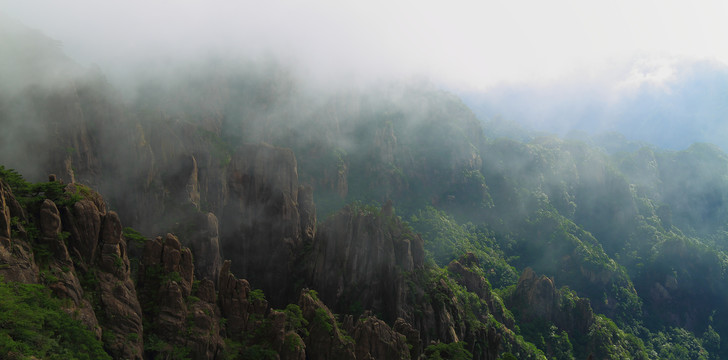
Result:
{"points": [[463, 44]]}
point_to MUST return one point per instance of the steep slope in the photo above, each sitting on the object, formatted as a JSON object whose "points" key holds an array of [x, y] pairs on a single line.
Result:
{"points": [[243, 161]]}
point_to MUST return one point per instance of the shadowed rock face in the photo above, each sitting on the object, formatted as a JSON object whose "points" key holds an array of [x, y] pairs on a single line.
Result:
{"points": [[262, 229], [117, 292], [14, 250], [85, 239], [536, 297], [374, 339], [325, 340], [358, 259], [205, 245], [166, 276]]}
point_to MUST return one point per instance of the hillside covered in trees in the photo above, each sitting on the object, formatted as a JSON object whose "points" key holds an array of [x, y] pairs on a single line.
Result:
{"points": [[232, 210]]}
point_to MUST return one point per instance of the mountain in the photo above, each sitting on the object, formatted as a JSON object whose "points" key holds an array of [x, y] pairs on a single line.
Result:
{"points": [[231, 210], [671, 105]]}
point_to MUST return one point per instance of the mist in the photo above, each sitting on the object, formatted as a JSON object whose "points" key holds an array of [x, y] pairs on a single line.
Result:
{"points": [[670, 105], [555, 136], [557, 68]]}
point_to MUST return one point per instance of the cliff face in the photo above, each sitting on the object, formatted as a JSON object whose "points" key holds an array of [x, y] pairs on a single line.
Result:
{"points": [[116, 291], [262, 228], [359, 258], [175, 161], [77, 250], [536, 297], [182, 317], [15, 251], [537, 301]]}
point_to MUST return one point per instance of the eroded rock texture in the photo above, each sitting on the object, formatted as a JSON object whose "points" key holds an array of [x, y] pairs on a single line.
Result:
{"points": [[16, 256], [262, 230], [182, 316], [359, 257]]}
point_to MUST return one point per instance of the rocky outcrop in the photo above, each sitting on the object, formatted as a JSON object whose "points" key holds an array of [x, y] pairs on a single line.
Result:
{"points": [[536, 297], [374, 339], [261, 225], [183, 317], [359, 257], [16, 255], [307, 210], [236, 304], [6, 196], [118, 303], [411, 334], [325, 341], [180, 178], [468, 274], [82, 256], [60, 275], [251, 321], [472, 281], [84, 225], [204, 242]]}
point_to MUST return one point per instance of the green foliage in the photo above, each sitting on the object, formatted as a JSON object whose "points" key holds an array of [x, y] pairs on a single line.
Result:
{"points": [[295, 320], [293, 343], [171, 276], [256, 295], [446, 240], [132, 235], [507, 356], [677, 343], [232, 349], [258, 352], [42, 253], [559, 345], [313, 294], [361, 209], [32, 324], [89, 281], [607, 341], [134, 337], [638, 232], [322, 319], [159, 349], [118, 261], [63, 236], [48, 277], [192, 300], [31, 195], [711, 342], [16, 181], [451, 351]]}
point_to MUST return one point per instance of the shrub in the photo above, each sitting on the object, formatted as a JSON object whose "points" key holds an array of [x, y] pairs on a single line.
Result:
{"points": [[33, 324]]}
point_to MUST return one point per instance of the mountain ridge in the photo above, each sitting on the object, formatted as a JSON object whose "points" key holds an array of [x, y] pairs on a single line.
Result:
{"points": [[497, 247]]}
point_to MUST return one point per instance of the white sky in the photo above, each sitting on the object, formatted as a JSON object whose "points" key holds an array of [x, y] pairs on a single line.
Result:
{"points": [[464, 44]]}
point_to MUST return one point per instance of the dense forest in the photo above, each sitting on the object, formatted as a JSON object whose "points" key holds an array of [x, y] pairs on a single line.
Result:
{"points": [[229, 210]]}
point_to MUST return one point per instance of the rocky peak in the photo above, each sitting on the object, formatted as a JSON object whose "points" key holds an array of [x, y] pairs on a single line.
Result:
{"points": [[183, 317], [235, 301], [204, 241], [375, 339], [262, 228], [180, 178], [16, 256], [358, 258], [536, 297], [84, 241], [472, 281], [118, 297], [167, 256], [538, 293], [325, 340]]}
